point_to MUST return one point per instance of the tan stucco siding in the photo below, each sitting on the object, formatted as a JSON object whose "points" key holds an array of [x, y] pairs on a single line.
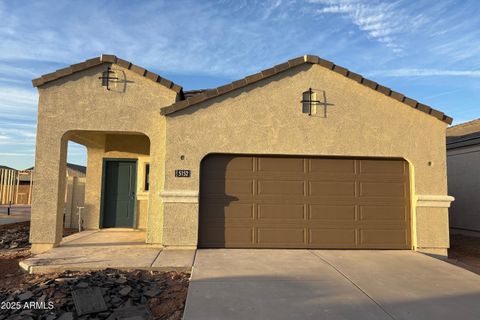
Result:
{"points": [[79, 103], [267, 118]]}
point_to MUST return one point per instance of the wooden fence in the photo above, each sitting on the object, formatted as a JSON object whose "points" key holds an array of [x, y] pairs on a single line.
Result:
{"points": [[74, 198], [11, 190]]}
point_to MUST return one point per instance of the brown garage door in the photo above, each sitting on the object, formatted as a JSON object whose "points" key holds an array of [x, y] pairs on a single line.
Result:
{"points": [[303, 202]]}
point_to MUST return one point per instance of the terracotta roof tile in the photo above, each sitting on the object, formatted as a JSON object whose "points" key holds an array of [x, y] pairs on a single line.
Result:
{"points": [[325, 63], [341, 70], [397, 96], [281, 67], [369, 83], [106, 58], [355, 76], [254, 77], [224, 89], [268, 72], [295, 62], [424, 108], [385, 90], [412, 103], [152, 76], [292, 64]]}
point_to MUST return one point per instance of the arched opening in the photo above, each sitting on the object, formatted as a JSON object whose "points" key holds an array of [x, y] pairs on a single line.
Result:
{"points": [[113, 193]]}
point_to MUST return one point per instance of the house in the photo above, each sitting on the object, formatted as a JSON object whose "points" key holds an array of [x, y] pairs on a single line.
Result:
{"points": [[73, 170], [21, 183], [306, 154], [463, 164]]}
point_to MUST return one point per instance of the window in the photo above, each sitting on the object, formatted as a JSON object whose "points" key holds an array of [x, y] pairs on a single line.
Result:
{"points": [[146, 185]]}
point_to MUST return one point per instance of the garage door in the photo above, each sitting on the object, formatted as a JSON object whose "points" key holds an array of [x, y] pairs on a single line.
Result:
{"points": [[303, 202]]}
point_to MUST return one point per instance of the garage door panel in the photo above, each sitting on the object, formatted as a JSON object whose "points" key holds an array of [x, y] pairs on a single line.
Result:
{"points": [[229, 187], [279, 211], [283, 165], [331, 188], [383, 213], [382, 189], [331, 166], [281, 187], [280, 235], [324, 237], [295, 202], [332, 212], [220, 236], [384, 167], [231, 211], [383, 237]]}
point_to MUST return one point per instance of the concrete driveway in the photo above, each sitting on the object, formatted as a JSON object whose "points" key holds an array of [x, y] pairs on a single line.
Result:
{"points": [[329, 284]]}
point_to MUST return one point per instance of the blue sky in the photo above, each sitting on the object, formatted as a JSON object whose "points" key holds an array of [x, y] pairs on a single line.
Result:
{"points": [[428, 50]]}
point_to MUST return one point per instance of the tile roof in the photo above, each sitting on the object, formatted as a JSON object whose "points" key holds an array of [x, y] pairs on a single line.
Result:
{"points": [[106, 58], [192, 93], [310, 59]]}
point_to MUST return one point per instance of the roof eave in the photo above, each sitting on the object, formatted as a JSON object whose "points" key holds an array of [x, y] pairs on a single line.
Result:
{"points": [[310, 59], [106, 58]]}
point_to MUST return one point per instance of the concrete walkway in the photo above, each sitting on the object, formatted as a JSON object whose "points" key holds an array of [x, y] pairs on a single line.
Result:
{"points": [[109, 248], [321, 284]]}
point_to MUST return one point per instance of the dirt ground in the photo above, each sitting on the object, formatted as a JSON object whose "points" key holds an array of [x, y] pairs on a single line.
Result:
{"points": [[148, 295], [465, 252]]}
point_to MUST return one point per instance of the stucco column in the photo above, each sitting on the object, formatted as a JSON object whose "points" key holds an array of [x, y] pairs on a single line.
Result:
{"points": [[93, 188], [48, 190], [155, 219]]}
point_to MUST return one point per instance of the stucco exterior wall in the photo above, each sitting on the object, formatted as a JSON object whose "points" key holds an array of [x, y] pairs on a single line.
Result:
{"points": [[79, 103], [267, 118], [463, 184]]}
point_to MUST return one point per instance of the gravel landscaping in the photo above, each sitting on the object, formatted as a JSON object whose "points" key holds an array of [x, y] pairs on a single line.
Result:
{"points": [[106, 294]]}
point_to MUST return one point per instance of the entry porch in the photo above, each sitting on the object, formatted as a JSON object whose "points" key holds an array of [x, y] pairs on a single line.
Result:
{"points": [[118, 248]]}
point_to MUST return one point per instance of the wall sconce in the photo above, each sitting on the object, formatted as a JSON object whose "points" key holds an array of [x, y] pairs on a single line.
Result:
{"points": [[106, 77], [310, 103]]}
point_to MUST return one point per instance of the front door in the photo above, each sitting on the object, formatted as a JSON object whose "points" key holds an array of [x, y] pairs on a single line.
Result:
{"points": [[119, 193]]}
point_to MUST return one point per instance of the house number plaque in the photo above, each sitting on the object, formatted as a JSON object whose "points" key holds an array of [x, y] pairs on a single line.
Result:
{"points": [[181, 173]]}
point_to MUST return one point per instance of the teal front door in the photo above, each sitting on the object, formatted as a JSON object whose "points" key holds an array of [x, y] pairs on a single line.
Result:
{"points": [[119, 187]]}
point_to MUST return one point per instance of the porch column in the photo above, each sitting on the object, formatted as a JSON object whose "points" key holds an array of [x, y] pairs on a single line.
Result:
{"points": [[157, 176], [48, 189]]}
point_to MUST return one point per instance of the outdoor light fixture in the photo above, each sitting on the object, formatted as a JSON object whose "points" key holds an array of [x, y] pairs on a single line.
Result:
{"points": [[310, 102], [106, 77]]}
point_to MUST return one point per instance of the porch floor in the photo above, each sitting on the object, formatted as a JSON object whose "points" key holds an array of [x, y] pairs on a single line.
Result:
{"points": [[109, 248]]}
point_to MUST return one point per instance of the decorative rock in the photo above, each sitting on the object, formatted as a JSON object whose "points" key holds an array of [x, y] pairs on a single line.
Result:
{"points": [[152, 293], [25, 296], [82, 285], [66, 316], [125, 291]]}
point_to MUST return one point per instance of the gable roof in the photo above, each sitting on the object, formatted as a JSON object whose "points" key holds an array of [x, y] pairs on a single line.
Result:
{"points": [[106, 58], [306, 59]]}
